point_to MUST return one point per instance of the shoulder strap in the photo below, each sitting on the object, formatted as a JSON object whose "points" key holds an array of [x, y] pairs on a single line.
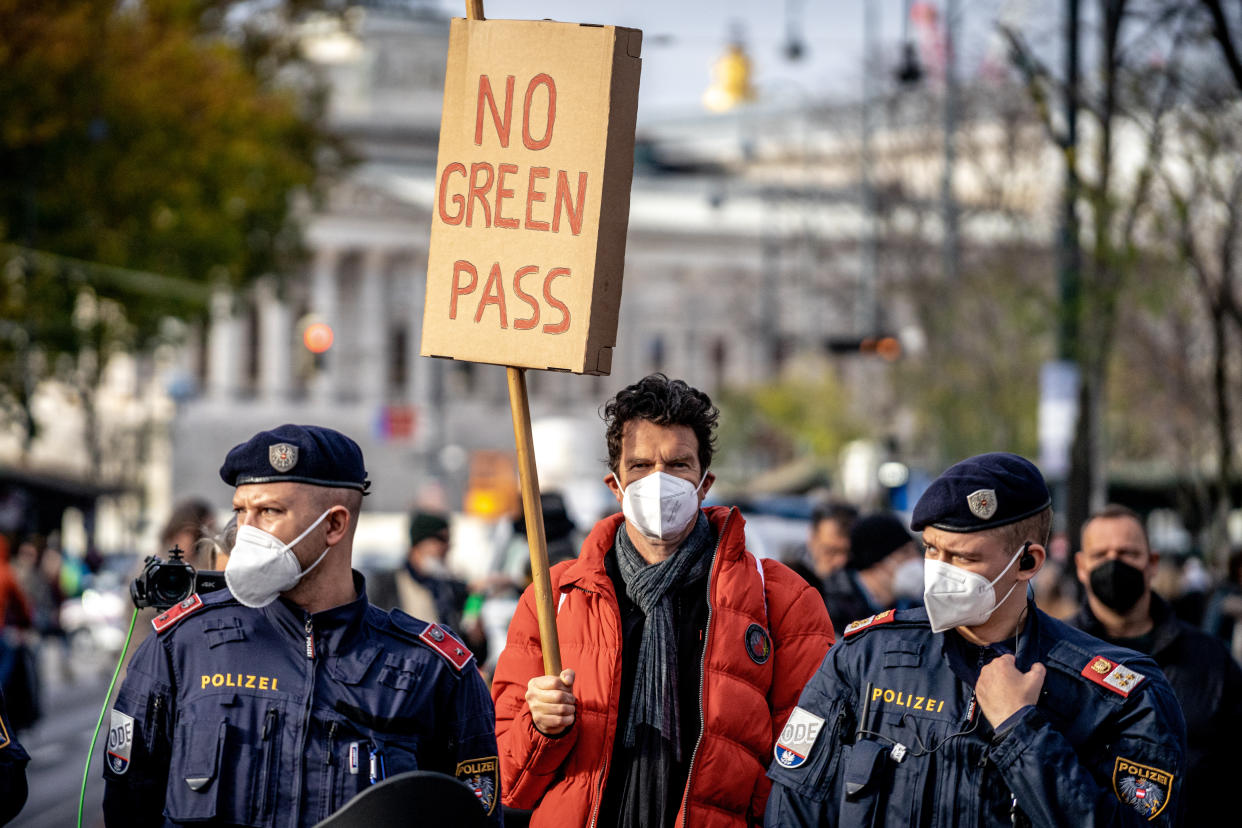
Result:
{"points": [[433, 636], [172, 615], [446, 645]]}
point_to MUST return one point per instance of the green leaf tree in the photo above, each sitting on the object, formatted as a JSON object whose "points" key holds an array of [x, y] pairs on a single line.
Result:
{"points": [[148, 151]]}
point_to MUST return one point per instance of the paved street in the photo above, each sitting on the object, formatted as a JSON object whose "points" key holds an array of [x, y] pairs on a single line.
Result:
{"points": [[58, 745]]}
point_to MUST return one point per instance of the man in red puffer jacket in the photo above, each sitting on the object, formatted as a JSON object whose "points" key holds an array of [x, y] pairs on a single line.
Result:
{"points": [[684, 654]]}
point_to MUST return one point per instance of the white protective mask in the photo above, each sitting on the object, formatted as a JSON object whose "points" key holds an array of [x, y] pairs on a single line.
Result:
{"points": [[955, 597], [262, 565], [660, 506]]}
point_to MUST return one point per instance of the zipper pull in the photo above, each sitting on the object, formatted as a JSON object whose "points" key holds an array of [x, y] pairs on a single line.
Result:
{"points": [[267, 723], [310, 639]]}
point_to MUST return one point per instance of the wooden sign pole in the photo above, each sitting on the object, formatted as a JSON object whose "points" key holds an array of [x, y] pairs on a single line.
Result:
{"points": [[519, 404], [529, 475]]}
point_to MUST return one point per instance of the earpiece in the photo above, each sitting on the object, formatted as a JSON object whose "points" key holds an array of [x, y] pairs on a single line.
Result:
{"points": [[1027, 561]]}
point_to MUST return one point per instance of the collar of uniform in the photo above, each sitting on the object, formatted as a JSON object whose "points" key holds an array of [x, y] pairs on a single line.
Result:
{"points": [[336, 629], [966, 658]]}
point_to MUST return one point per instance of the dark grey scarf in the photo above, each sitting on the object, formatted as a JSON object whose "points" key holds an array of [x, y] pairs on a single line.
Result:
{"points": [[652, 726]]}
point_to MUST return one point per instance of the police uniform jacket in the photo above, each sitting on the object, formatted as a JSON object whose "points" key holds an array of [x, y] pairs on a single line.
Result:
{"points": [[270, 717], [887, 732], [13, 760]]}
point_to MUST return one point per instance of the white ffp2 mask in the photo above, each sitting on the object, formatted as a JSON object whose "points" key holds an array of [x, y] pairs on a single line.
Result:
{"points": [[660, 506], [262, 566], [955, 597]]}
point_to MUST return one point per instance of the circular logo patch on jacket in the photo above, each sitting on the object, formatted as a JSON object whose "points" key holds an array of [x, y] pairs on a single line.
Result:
{"points": [[758, 645]]}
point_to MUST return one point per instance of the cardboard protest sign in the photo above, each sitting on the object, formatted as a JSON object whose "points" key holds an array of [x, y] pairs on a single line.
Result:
{"points": [[532, 194]]}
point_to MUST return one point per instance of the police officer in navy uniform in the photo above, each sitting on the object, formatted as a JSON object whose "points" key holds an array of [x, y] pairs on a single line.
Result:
{"points": [[275, 701], [13, 761], [978, 708]]}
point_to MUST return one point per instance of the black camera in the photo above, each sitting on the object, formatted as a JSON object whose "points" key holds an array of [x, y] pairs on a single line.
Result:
{"points": [[163, 584]]}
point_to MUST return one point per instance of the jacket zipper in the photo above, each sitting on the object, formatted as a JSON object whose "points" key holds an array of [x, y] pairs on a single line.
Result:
{"points": [[330, 762], [153, 731], [609, 725], [310, 695], [268, 722], [707, 636]]}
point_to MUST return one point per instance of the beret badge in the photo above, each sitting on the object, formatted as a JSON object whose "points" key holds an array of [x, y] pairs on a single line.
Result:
{"points": [[982, 503], [282, 456]]}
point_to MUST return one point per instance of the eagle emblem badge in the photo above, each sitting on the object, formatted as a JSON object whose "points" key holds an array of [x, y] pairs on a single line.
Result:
{"points": [[1144, 788], [481, 776], [282, 456], [982, 503]]}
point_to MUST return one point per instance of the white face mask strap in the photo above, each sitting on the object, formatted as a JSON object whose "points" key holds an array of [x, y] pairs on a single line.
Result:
{"points": [[289, 546], [632, 482], [308, 529], [322, 555], [1021, 549]]}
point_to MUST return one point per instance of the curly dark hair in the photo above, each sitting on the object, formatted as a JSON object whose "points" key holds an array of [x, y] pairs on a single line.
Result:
{"points": [[664, 402]]}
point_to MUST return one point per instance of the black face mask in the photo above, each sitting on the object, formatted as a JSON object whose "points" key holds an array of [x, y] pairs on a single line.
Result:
{"points": [[1118, 585]]}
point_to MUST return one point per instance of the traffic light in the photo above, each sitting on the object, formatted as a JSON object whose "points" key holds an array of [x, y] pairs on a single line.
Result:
{"points": [[885, 346]]}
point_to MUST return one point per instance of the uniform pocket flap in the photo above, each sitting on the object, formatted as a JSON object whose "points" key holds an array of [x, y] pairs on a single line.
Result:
{"points": [[862, 767], [219, 631], [899, 658], [202, 759]]}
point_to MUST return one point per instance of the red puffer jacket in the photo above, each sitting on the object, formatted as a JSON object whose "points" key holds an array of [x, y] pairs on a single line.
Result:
{"points": [[745, 703]]}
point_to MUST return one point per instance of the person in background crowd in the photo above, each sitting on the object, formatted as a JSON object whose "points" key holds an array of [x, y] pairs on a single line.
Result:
{"points": [[510, 572], [977, 708], [284, 695], [42, 600], [1056, 588], [1194, 585], [19, 665], [683, 653], [880, 547], [15, 608], [191, 521], [828, 545], [1115, 566], [1224, 611], [216, 548], [424, 587]]}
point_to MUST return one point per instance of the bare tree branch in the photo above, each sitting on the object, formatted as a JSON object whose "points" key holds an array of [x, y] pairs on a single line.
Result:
{"points": [[1224, 38]]}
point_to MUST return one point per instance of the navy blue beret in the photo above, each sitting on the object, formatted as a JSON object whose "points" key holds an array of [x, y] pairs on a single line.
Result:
{"points": [[297, 454], [982, 492]]}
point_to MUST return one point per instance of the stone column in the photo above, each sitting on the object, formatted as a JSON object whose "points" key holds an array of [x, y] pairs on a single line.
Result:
{"points": [[275, 341], [372, 329], [223, 335], [325, 305]]}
